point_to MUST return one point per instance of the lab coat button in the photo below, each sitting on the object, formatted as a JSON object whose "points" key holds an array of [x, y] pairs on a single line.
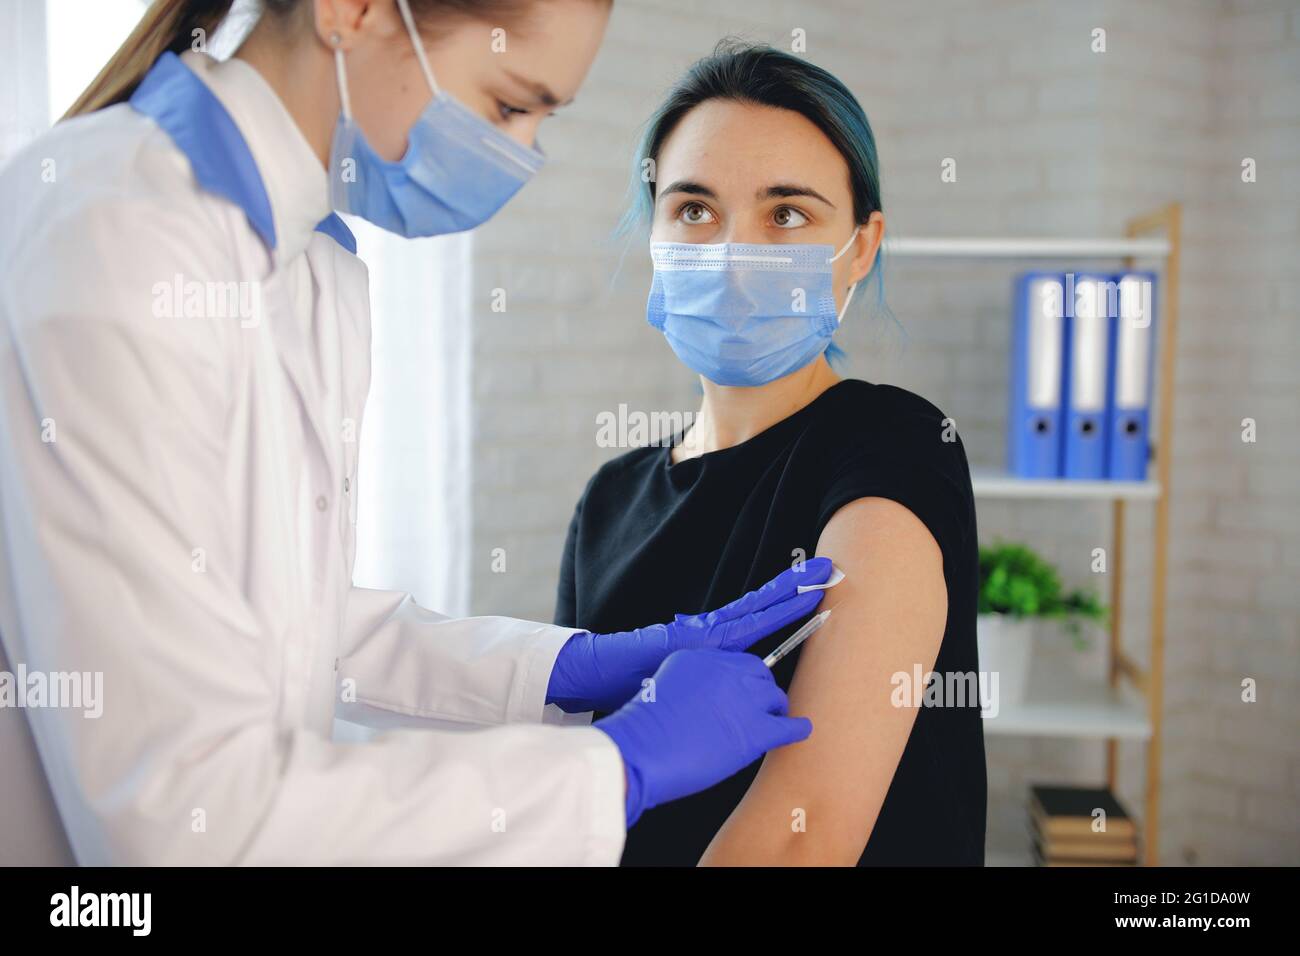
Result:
{"points": [[347, 485], [321, 503]]}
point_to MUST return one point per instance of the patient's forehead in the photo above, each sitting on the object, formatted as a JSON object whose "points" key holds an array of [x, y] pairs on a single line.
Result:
{"points": [[738, 148]]}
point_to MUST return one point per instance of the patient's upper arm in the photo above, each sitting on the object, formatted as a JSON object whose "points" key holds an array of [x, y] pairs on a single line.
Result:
{"points": [[890, 612]]}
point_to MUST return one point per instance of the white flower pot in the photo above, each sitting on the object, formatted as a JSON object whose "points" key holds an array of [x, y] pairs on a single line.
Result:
{"points": [[1006, 648]]}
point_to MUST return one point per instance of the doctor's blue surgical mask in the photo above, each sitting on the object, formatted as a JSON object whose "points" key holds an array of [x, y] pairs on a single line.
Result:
{"points": [[458, 169], [742, 313]]}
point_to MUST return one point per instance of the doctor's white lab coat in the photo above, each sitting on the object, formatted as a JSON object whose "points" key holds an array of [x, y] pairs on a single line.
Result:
{"points": [[177, 508]]}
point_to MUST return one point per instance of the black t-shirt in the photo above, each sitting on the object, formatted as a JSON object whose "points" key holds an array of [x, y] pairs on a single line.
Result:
{"points": [[650, 539]]}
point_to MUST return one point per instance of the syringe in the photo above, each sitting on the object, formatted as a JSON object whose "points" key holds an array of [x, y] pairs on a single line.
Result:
{"points": [[797, 638]]}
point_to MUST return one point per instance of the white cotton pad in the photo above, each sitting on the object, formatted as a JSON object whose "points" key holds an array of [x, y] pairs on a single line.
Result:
{"points": [[836, 577]]}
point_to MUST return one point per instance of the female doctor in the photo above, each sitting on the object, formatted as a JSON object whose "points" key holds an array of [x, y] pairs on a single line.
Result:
{"points": [[177, 479]]}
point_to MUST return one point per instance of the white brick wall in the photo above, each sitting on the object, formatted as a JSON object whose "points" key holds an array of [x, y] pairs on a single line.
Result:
{"points": [[1049, 138]]}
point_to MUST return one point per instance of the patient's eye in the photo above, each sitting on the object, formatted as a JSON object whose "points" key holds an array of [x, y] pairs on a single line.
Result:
{"points": [[787, 217], [695, 214]]}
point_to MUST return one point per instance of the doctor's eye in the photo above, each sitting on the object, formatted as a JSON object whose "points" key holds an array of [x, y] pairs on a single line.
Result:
{"points": [[695, 214], [507, 111], [787, 217]]}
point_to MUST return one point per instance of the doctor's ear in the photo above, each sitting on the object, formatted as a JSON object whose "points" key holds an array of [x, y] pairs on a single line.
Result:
{"points": [[339, 22], [866, 246]]}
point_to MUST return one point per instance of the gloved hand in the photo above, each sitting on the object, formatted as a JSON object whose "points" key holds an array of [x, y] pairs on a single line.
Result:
{"points": [[711, 714], [601, 671]]}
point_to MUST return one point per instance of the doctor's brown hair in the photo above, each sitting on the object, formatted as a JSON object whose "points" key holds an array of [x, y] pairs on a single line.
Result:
{"points": [[172, 25]]}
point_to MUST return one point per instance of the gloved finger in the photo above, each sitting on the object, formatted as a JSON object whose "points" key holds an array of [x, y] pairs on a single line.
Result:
{"points": [[779, 731], [785, 585], [755, 685], [770, 697], [741, 634], [749, 668]]}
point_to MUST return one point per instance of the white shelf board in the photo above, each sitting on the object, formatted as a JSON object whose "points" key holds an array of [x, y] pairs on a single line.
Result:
{"points": [[999, 484], [1018, 247], [1062, 705]]}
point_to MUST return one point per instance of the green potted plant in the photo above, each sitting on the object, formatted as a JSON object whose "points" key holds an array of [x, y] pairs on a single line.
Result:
{"points": [[1018, 588]]}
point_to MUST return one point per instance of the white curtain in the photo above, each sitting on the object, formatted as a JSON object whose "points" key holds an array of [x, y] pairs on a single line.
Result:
{"points": [[30, 831], [414, 473], [24, 78]]}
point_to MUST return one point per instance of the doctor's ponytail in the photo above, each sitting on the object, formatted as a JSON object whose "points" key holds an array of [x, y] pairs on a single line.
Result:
{"points": [[166, 25]]}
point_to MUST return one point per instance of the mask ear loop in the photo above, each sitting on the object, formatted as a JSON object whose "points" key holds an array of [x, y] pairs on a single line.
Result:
{"points": [[845, 248], [345, 101], [409, 20], [839, 317]]}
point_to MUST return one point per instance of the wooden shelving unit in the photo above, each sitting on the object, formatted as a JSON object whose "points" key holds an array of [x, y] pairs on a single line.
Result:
{"points": [[1125, 705]]}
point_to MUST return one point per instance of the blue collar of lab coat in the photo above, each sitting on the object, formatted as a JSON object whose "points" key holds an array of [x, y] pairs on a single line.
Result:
{"points": [[190, 113]]}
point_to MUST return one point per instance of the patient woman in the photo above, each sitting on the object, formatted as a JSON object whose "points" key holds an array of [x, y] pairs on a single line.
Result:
{"points": [[764, 216]]}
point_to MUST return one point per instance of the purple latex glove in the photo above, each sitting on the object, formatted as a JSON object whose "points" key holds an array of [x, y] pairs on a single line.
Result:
{"points": [[704, 716], [601, 671]]}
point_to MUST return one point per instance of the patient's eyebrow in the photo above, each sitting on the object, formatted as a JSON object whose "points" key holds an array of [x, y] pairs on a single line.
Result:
{"points": [[686, 186], [785, 190]]}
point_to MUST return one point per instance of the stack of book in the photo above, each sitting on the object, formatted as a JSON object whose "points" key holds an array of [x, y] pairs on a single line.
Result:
{"points": [[1080, 826]]}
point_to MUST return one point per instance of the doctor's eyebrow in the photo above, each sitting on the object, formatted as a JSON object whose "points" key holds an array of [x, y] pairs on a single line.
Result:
{"points": [[540, 91], [786, 190]]}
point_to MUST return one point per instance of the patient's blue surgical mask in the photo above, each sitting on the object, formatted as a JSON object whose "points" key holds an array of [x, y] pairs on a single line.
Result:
{"points": [[458, 170], [745, 314]]}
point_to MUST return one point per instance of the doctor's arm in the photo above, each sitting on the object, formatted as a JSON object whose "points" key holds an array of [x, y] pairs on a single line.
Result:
{"points": [[402, 661], [890, 615], [200, 753]]}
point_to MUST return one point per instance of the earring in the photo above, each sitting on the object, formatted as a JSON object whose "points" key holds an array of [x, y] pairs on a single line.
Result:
{"points": [[335, 38]]}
